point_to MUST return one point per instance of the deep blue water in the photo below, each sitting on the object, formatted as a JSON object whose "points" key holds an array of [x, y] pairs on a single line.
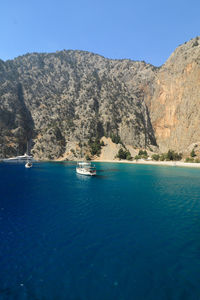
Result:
{"points": [[132, 232]]}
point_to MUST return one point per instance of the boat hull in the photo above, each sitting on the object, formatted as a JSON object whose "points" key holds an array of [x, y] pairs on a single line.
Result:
{"points": [[82, 171], [18, 159]]}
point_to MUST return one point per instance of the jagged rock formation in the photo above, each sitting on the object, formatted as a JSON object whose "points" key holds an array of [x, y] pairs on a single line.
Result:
{"points": [[62, 99]]}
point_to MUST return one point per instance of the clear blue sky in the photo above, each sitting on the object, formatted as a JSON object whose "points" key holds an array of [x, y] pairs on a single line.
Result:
{"points": [[138, 30]]}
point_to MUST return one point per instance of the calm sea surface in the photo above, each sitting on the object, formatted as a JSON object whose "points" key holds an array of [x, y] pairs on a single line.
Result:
{"points": [[132, 232]]}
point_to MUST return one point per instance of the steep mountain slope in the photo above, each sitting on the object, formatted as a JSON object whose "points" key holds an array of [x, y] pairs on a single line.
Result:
{"points": [[72, 96], [63, 99], [174, 105]]}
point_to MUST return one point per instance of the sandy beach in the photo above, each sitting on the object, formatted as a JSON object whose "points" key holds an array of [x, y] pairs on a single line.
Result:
{"points": [[151, 162]]}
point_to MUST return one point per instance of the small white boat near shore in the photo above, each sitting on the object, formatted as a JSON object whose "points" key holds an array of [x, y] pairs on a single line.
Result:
{"points": [[85, 168], [28, 165], [19, 159]]}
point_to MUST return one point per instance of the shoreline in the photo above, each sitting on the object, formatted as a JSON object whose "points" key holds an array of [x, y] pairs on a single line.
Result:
{"points": [[151, 162], [135, 162]]}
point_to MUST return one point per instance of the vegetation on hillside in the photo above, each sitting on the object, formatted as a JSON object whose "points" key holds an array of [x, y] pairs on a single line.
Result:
{"points": [[142, 154], [124, 154], [193, 154], [95, 146], [192, 160], [115, 138], [171, 155]]}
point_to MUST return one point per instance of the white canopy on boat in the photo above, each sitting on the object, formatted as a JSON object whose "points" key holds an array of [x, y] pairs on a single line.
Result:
{"points": [[84, 164]]}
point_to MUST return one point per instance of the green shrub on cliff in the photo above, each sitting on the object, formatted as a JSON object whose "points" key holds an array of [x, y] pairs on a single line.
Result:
{"points": [[95, 146], [172, 155], [189, 160], [192, 154], [124, 154], [115, 138], [142, 154], [155, 157]]}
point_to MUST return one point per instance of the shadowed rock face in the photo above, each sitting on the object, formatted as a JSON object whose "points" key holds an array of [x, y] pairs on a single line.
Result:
{"points": [[67, 97]]}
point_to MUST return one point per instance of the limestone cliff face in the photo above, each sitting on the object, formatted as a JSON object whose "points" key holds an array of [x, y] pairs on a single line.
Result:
{"points": [[174, 105], [16, 123], [62, 99]]}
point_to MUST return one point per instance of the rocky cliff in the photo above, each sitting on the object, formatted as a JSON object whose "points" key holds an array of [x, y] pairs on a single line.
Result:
{"points": [[174, 104], [62, 100]]}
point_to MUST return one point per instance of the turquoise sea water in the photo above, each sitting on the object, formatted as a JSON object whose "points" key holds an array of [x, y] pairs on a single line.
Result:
{"points": [[131, 232]]}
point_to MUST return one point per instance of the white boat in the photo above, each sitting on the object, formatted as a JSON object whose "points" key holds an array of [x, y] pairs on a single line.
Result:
{"points": [[85, 168], [21, 158], [28, 164]]}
